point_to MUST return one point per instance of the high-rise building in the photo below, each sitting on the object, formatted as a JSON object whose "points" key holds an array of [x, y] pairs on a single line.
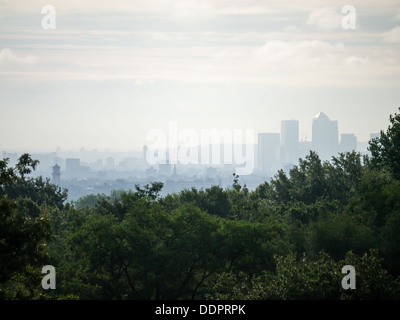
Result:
{"points": [[348, 142], [324, 136], [289, 141], [268, 152], [56, 174]]}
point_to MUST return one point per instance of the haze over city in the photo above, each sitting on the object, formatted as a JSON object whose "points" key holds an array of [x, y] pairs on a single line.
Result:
{"points": [[110, 72], [200, 162]]}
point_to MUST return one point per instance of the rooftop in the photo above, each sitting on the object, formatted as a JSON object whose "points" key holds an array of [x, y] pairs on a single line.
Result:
{"points": [[321, 116]]}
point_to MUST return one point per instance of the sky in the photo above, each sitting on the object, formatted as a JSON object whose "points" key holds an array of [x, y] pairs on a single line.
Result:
{"points": [[111, 71]]}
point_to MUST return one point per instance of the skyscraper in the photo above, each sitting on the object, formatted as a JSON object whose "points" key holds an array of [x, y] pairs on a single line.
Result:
{"points": [[348, 142], [56, 174], [268, 152], [324, 136], [289, 140]]}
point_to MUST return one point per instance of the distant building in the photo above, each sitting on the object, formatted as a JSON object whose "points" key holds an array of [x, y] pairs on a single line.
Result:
{"points": [[56, 174], [127, 163], [268, 152], [74, 169], [363, 147], [289, 141], [324, 136], [151, 172], [348, 142], [164, 169], [72, 164], [110, 162], [145, 148]]}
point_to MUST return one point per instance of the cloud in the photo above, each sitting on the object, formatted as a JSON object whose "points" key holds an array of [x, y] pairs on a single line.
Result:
{"points": [[291, 29], [306, 52], [355, 61], [325, 18], [190, 9], [295, 62], [392, 36], [8, 56]]}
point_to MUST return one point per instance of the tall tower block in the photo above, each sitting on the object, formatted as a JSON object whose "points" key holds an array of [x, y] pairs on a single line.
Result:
{"points": [[325, 136], [56, 174]]}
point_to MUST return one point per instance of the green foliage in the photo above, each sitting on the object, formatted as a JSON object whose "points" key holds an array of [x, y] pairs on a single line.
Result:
{"points": [[310, 279], [385, 149], [212, 200], [140, 251], [24, 232], [89, 201], [293, 279], [391, 242], [338, 234], [313, 181], [373, 281], [14, 184]]}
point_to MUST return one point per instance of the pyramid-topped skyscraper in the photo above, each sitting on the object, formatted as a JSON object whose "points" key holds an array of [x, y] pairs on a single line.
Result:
{"points": [[324, 136]]}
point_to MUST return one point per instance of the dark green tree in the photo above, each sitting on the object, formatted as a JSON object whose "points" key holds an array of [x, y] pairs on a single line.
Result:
{"points": [[24, 233], [385, 149], [14, 183]]}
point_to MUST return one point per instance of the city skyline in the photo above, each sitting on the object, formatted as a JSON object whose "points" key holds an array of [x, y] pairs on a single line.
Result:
{"points": [[88, 171], [139, 149], [287, 139]]}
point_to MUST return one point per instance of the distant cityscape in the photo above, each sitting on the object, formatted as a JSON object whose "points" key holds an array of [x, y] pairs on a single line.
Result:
{"points": [[93, 171], [282, 150]]}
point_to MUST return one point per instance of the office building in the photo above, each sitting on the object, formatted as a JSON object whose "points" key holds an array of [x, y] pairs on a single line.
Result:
{"points": [[324, 136], [348, 142], [268, 152], [289, 141], [56, 174]]}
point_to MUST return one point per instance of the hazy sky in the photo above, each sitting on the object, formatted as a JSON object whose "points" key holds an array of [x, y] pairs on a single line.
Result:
{"points": [[112, 70]]}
